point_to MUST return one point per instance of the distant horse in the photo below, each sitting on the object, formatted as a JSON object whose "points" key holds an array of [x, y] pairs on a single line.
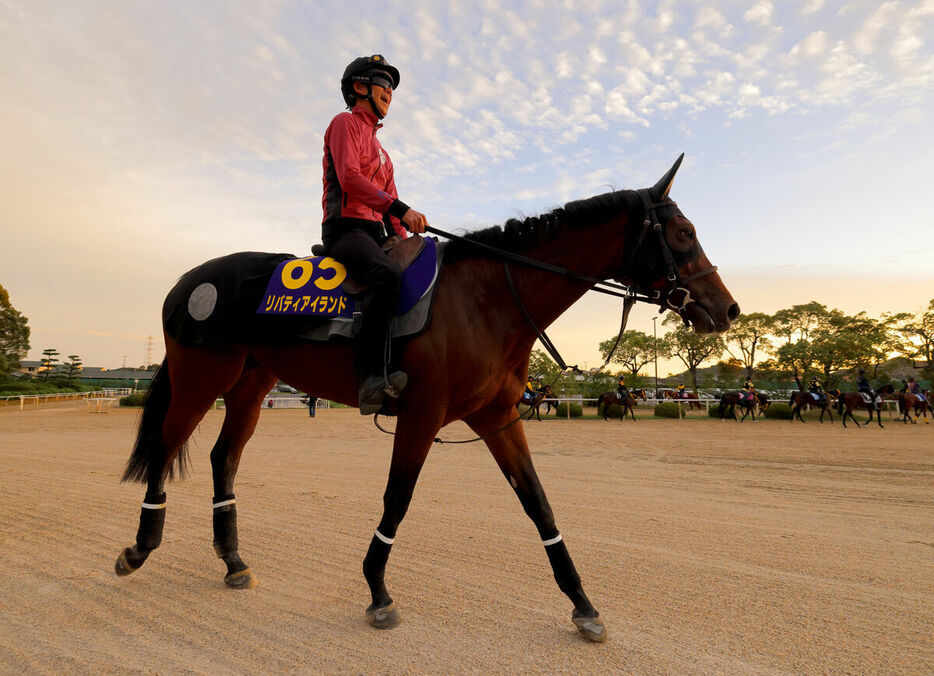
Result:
{"points": [[608, 398], [803, 400], [544, 396], [690, 399], [854, 400], [734, 399], [908, 402], [497, 289]]}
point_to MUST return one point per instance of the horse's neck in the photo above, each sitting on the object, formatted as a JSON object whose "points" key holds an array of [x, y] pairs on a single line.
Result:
{"points": [[590, 251]]}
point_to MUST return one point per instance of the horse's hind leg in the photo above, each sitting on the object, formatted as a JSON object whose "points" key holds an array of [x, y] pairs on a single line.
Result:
{"points": [[511, 451], [242, 404], [185, 388]]}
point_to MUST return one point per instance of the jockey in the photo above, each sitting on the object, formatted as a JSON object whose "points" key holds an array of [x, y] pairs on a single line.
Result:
{"points": [[749, 388], [361, 209], [915, 389], [679, 392], [862, 384], [815, 389], [622, 392]]}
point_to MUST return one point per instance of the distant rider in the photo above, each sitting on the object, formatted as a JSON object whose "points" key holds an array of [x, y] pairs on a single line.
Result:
{"points": [[750, 389], [622, 392], [815, 389], [862, 384], [680, 393], [915, 389]]}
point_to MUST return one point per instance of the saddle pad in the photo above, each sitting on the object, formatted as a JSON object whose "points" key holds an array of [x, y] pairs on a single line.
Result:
{"points": [[312, 286], [216, 303]]}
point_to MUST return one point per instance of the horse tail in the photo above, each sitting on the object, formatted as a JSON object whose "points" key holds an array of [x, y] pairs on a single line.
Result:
{"points": [[149, 446], [722, 404], [840, 403], [791, 400]]}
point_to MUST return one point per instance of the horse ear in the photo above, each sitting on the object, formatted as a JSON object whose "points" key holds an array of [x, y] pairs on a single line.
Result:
{"points": [[660, 190]]}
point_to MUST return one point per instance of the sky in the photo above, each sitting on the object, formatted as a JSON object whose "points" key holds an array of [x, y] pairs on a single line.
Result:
{"points": [[139, 139]]}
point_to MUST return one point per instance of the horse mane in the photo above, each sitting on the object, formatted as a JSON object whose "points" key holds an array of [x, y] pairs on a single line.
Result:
{"points": [[520, 235]]}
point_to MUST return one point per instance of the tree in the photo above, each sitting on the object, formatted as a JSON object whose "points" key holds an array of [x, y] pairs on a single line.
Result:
{"points": [[73, 368], [635, 350], [799, 318], [14, 335], [542, 366], [749, 334], [692, 349], [920, 331], [49, 357]]}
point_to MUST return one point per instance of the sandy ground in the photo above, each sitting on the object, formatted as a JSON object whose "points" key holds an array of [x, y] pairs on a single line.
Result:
{"points": [[708, 547]]}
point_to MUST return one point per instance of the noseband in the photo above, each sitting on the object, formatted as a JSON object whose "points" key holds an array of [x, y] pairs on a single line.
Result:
{"points": [[677, 297]]}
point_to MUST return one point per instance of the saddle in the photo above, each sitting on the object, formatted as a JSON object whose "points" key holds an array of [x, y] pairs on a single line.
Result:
{"points": [[402, 251], [866, 398]]}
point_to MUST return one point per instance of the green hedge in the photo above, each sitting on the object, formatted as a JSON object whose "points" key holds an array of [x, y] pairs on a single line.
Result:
{"points": [[576, 410], [612, 410], [714, 411], [666, 409], [137, 399], [778, 411]]}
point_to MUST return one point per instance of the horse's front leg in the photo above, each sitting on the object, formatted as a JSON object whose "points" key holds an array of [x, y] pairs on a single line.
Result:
{"points": [[242, 405], [415, 433], [510, 449]]}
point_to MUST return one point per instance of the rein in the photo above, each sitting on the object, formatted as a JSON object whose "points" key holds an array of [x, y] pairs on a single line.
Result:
{"points": [[614, 288]]}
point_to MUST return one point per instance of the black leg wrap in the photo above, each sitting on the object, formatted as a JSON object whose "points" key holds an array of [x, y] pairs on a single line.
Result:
{"points": [[151, 523], [225, 530], [565, 574], [374, 569]]}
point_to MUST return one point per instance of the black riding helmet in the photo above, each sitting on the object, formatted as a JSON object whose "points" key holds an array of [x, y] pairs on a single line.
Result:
{"points": [[366, 69]]}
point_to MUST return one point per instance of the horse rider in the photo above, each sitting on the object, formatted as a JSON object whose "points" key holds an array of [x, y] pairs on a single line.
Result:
{"points": [[915, 389], [361, 210], [622, 392], [680, 392], [750, 389], [815, 389], [862, 384], [530, 391]]}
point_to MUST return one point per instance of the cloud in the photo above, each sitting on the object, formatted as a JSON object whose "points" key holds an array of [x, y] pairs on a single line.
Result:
{"points": [[760, 13]]}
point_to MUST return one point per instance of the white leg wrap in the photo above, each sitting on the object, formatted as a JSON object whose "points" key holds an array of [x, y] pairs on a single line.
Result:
{"points": [[149, 505], [224, 503], [553, 541], [383, 538]]}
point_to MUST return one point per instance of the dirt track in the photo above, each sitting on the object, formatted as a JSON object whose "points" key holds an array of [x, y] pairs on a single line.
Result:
{"points": [[708, 547]]}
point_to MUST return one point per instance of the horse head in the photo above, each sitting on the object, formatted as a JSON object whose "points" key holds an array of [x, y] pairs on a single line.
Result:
{"points": [[670, 265]]}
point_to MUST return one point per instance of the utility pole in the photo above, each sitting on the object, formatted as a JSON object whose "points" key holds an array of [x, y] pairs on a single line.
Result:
{"points": [[655, 346]]}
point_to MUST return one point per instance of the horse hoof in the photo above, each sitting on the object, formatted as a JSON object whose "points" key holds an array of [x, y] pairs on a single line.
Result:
{"points": [[242, 579], [590, 628], [386, 617], [122, 567]]}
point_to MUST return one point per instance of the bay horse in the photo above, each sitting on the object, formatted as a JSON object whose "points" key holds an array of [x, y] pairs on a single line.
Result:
{"points": [[734, 399], [689, 398], [803, 400], [471, 364], [544, 396], [854, 400], [908, 402], [627, 404]]}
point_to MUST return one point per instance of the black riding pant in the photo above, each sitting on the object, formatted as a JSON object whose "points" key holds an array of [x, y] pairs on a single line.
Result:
{"points": [[356, 244]]}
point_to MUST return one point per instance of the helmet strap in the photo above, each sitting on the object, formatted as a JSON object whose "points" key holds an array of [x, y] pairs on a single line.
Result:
{"points": [[369, 98]]}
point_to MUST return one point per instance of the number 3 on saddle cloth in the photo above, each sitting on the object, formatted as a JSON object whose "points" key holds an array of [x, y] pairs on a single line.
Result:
{"points": [[263, 298]]}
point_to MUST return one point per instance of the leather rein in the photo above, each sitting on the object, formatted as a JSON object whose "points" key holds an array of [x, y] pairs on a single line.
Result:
{"points": [[676, 297]]}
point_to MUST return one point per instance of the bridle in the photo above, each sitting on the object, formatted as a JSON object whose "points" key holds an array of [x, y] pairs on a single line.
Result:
{"points": [[677, 296]]}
